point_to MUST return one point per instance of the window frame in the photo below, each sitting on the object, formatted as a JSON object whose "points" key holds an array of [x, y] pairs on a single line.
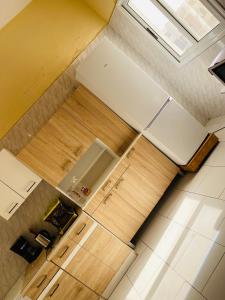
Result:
{"points": [[198, 46]]}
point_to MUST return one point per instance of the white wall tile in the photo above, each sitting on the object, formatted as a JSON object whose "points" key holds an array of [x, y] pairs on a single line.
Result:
{"points": [[199, 261]]}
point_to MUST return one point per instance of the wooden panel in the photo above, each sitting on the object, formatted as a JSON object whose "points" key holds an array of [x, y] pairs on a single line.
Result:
{"points": [[105, 124], [41, 281], [62, 251], [67, 287], [108, 248], [90, 270], [56, 147], [92, 205], [119, 216], [207, 146], [80, 227]]}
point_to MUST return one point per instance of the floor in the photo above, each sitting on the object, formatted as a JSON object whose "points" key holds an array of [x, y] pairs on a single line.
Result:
{"points": [[181, 252]]}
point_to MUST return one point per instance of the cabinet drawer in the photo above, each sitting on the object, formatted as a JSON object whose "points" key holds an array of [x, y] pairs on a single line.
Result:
{"points": [[64, 286], [41, 281], [62, 252], [109, 184], [80, 227]]}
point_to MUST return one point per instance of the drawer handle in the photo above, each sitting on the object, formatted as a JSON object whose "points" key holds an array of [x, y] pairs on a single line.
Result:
{"points": [[66, 165], [30, 186], [14, 206], [130, 153], [53, 290], [64, 251], [118, 183], [107, 198], [81, 229], [41, 281], [106, 184], [78, 151]]}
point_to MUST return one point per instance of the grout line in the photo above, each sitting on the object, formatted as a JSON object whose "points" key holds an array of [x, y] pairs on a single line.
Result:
{"points": [[195, 193]]}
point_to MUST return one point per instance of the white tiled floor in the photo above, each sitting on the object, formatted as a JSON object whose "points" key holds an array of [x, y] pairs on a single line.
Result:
{"points": [[181, 253]]}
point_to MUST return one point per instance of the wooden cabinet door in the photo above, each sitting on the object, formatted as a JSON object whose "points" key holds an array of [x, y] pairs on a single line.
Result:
{"points": [[100, 120], [64, 286], [152, 164], [57, 146], [119, 216], [41, 280]]}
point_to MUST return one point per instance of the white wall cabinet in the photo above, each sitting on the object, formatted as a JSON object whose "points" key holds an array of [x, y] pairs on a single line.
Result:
{"points": [[16, 183]]}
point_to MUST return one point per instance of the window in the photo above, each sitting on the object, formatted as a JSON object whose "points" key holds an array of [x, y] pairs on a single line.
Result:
{"points": [[184, 27]]}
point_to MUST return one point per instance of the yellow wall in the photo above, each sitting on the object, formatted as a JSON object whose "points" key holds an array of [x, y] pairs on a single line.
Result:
{"points": [[103, 8], [36, 47]]}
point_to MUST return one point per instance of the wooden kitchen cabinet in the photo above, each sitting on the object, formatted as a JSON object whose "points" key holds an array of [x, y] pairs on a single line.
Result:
{"points": [[64, 286], [137, 191], [94, 259], [41, 281], [62, 141], [57, 146], [100, 120]]}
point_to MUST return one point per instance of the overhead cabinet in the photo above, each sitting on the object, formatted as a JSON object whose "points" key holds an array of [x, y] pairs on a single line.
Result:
{"points": [[16, 183]]}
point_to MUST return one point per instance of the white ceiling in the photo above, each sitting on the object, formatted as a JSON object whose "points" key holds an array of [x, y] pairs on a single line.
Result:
{"points": [[9, 9]]}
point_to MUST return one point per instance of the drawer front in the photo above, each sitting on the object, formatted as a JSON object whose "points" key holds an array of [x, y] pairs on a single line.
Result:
{"points": [[108, 248], [109, 184], [63, 251], [64, 286], [41, 281], [80, 228]]}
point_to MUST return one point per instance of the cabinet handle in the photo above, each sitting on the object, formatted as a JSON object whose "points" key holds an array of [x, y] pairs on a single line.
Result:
{"points": [[118, 183], [107, 198], [29, 187], [130, 153], [66, 165], [14, 206], [81, 229], [43, 278], [53, 290], [64, 251], [106, 184], [78, 151]]}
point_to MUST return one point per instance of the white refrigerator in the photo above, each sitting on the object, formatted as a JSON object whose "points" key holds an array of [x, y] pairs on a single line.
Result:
{"points": [[130, 92]]}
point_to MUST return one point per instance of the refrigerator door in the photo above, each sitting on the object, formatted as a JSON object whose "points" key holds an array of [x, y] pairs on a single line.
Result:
{"points": [[176, 133], [114, 78]]}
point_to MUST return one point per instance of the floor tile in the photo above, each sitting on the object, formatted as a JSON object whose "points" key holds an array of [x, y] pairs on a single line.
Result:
{"points": [[140, 247], [166, 287], [199, 261], [217, 157], [222, 196], [208, 217], [145, 271], [190, 181], [213, 182], [124, 291], [221, 135], [188, 293], [155, 231], [170, 203], [215, 287], [220, 239]]}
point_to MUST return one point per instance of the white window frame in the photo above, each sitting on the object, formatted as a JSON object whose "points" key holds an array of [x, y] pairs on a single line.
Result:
{"points": [[198, 47]]}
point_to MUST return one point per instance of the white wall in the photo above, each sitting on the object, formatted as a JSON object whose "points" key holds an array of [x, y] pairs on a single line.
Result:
{"points": [[9, 9], [190, 84]]}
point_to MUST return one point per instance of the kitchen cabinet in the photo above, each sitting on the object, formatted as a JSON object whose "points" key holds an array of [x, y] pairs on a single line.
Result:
{"points": [[137, 191], [16, 183], [64, 286], [41, 281], [93, 259], [16, 175], [93, 114], [62, 141]]}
